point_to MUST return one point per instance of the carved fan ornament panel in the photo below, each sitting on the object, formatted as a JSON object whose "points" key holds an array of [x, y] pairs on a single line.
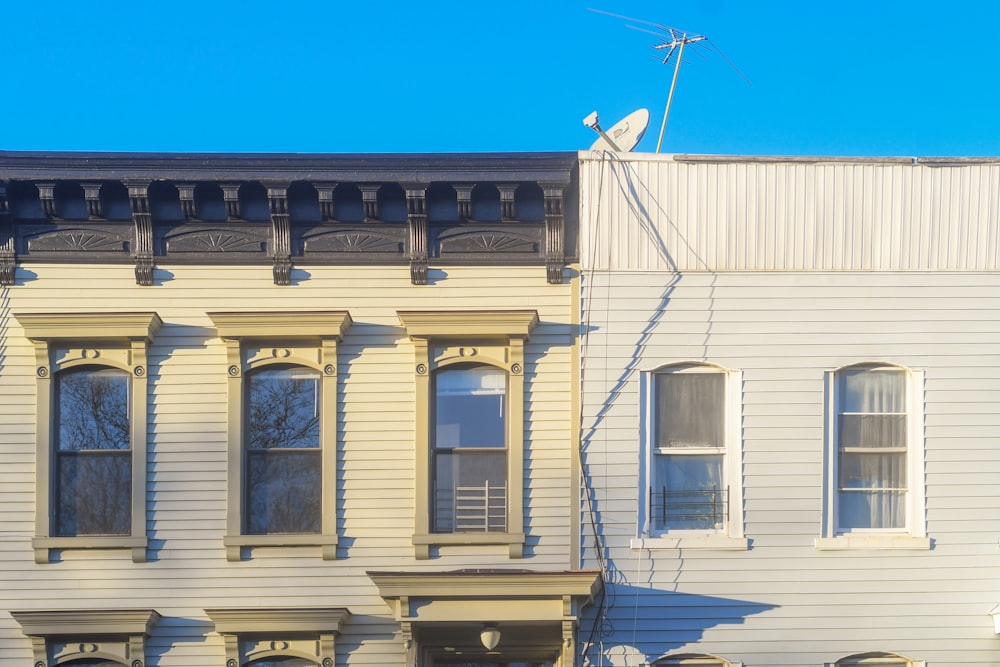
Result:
{"points": [[488, 241], [215, 241], [78, 241], [357, 241]]}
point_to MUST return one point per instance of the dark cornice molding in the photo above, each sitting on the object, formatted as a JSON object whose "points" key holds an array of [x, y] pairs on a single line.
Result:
{"points": [[499, 209]]}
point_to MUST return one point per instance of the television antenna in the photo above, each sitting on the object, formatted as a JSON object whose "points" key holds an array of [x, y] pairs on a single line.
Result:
{"points": [[671, 46]]}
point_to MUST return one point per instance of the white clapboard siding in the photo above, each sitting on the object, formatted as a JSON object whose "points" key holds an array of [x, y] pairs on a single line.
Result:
{"points": [[784, 270], [186, 477]]}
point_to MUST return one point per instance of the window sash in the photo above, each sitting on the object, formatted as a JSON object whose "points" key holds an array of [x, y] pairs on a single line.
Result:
{"points": [[872, 449]]}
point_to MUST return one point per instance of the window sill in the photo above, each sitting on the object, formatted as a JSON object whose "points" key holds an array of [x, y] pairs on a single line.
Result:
{"points": [[423, 542], [235, 543], [43, 546], [702, 541], [872, 541]]}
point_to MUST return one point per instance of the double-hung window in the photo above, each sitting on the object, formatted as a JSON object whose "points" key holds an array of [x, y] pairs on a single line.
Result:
{"points": [[282, 388], [470, 450], [91, 383], [874, 456], [693, 466], [469, 427]]}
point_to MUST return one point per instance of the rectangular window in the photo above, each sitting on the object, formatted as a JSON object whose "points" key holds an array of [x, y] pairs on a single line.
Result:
{"points": [[282, 441], [93, 453], [874, 495], [284, 459], [688, 489], [871, 449], [470, 450], [91, 379]]}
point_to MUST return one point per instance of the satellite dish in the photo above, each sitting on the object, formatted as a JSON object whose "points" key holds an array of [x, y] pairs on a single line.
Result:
{"points": [[624, 135]]}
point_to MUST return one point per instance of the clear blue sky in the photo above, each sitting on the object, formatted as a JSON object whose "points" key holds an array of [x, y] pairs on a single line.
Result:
{"points": [[844, 77]]}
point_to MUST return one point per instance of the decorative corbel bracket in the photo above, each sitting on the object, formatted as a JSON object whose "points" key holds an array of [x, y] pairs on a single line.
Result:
{"points": [[281, 233], [416, 217], [555, 231], [7, 257], [138, 197]]}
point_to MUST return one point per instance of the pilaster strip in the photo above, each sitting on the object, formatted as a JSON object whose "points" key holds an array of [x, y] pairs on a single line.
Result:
{"points": [[138, 197], [555, 231], [281, 232], [369, 196], [416, 217], [92, 193], [7, 256]]}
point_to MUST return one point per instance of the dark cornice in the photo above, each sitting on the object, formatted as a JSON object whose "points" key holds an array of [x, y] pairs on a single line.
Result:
{"points": [[419, 209]]}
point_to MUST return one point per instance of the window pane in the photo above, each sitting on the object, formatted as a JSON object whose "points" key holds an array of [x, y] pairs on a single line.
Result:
{"points": [[873, 430], [284, 492], [93, 493], [469, 408], [872, 509], [689, 409], [470, 492], [92, 409], [93, 464], [283, 409], [873, 471], [872, 390], [689, 492]]}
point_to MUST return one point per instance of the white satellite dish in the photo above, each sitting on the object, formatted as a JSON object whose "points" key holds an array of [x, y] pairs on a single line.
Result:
{"points": [[623, 135]]}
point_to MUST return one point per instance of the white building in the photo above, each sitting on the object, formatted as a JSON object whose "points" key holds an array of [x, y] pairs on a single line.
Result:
{"points": [[791, 409]]}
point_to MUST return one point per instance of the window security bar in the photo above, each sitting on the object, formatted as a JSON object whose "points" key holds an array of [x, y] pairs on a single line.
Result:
{"points": [[689, 508], [475, 509]]}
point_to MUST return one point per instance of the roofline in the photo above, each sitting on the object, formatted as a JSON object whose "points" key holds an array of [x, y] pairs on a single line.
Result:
{"points": [[927, 161], [418, 167]]}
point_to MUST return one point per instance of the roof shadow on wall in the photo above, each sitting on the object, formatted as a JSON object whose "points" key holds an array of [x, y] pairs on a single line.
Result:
{"points": [[663, 621]]}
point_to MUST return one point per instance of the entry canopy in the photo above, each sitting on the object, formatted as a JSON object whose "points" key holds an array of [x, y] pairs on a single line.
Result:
{"points": [[442, 614]]}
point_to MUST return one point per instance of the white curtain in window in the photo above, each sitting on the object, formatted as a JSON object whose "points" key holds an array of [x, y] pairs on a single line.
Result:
{"points": [[872, 449]]}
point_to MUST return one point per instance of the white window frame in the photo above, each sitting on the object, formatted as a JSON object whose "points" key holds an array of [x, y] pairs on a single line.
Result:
{"points": [[913, 535], [731, 536]]}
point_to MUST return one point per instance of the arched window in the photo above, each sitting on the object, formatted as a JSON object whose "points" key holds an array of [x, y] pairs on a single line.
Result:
{"points": [[470, 449], [283, 464], [93, 452], [693, 466], [876, 659], [874, 451], [691, 660]]}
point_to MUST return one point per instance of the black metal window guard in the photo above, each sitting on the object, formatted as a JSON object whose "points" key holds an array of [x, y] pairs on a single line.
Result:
{"points": [[689, 508]]}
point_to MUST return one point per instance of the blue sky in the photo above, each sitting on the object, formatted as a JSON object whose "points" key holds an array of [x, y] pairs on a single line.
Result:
{"points": [[848, 77]]}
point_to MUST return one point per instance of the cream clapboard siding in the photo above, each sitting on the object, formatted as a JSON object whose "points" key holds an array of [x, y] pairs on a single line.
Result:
{"points": [[783, 323], [188, 571]]}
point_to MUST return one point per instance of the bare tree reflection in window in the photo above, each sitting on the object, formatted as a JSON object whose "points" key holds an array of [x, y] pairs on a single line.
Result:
{"points": [[283, 457], [93, 452]]}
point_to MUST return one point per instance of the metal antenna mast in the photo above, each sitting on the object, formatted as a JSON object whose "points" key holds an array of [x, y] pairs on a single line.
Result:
{"points": [[676, 40]]}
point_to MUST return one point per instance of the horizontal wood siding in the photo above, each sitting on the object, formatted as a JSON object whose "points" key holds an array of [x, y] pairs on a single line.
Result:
{"points": [[784, 269], [783, 602], [186, 519]]}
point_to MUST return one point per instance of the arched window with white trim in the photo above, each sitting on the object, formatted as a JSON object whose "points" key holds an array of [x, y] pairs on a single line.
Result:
{"points": [[693, 467], [874, 452]]}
